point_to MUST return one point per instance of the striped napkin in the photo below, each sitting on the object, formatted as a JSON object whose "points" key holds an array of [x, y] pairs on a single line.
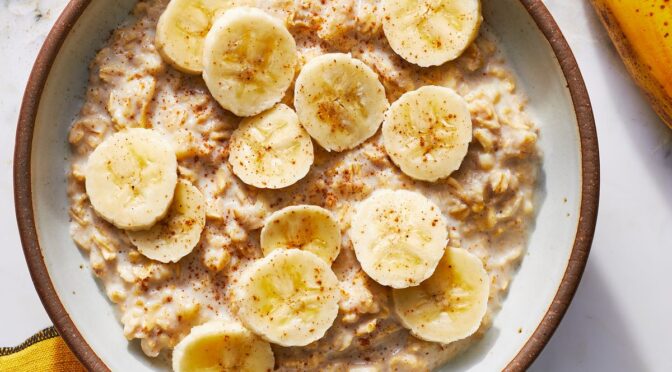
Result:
{"points": [[44, 351]]}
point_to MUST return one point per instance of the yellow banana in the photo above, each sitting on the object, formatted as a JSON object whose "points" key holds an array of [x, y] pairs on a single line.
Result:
{"points": [[642, 33]]}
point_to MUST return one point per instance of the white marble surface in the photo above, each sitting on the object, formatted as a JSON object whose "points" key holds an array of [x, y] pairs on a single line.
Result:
{"points": [[620, 318]]}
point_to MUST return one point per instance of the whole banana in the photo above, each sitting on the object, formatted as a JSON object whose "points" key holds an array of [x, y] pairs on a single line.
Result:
{"points": [[642, 33]]}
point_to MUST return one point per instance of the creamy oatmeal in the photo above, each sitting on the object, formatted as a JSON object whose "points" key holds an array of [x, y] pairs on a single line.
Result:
{"points": [[487, 203]]}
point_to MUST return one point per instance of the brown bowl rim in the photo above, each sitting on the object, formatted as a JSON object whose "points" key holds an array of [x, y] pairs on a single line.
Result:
{"points": [[526, 355]]}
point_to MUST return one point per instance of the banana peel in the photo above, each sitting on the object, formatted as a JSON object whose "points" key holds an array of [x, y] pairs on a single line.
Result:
{"points": [[641, 30]]}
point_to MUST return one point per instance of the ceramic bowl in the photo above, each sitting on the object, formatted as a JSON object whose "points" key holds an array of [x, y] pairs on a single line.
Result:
{"points": [[539, 294]]}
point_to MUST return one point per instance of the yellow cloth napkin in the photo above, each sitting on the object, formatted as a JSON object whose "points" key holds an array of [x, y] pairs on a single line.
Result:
{"points": [[44, 351]]}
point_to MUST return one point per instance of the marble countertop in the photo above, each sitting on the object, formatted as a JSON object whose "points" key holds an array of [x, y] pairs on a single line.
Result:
{"points": [[620, 318]]}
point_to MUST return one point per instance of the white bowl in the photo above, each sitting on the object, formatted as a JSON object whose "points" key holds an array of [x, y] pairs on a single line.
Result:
{"points": [[538, 297]]}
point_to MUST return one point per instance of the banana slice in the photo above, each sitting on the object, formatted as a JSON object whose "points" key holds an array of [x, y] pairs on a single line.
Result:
{"points": [[178, 233], [427, 132], [306, 227], [181, 31], [131, 177], [450, 305], [399, 237], [339, 100], [289, 297], [222, 346], [271, 150], [431, 32], [249, 60]]}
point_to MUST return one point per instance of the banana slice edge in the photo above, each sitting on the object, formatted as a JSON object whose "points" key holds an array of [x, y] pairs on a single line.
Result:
{"points": [[356, 102], [271, 150], [398, 236], [250, 354], [461, 319], [177, 234], [317, 231], [116, 173], [412, 142], [271, 305], [232, 84]]}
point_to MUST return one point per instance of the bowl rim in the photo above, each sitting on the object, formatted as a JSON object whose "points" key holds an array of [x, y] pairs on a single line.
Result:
{"points": [[590, 187]]}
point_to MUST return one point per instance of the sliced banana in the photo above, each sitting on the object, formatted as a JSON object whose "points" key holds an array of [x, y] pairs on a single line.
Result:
{"points": [[271, 150], [450, 305], [306, 227], [399, 237], [427, 132], [176, 235], [222, 346], [131, 177], [249, 60], [339, 100], [289, 297], [181, 31], [431, 32]]}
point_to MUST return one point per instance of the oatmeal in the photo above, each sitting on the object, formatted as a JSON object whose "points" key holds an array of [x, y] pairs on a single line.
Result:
{"points": [[487, 204]]}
